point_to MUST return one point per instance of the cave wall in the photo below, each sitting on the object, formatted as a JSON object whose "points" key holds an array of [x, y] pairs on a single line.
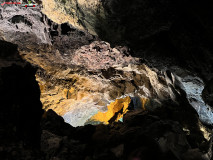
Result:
{"points": [[172, 32], [20, 107], [172, 131]]}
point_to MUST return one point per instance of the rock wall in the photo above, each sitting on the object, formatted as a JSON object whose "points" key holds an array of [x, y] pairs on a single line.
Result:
{"points": [[79, 75], [177, 33], [207, 93], [20, 109], [75, 70]]}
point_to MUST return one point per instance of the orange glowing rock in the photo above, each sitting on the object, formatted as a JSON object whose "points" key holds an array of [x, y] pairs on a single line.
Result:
{"points": [[119, 107], [116, 110], [144, 102]]}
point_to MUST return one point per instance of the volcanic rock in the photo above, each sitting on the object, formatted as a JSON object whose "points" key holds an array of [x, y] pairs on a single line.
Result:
{"points": [[208, 93], [137, 66]]}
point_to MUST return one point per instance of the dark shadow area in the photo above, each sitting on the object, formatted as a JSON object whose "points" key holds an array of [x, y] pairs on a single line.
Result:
{"points": [[20, 109], [22, 129], [169, 32], [161, 32], [65, 28], [19, 19]]}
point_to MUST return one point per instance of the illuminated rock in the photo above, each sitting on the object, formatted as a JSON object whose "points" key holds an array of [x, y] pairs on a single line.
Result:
{"points": [[81, 14], [77, 73], [116, 110]]}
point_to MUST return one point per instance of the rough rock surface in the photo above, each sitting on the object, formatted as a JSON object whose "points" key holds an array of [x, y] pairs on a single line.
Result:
{"points": [[99, 55], [171, 132], [141, 134], [170, 32], [82, 14], [76, 77], [79, 77], [17, 23], [21, 109], [207, 93]]}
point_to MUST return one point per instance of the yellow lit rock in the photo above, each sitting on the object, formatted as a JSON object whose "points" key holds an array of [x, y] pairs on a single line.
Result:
{"points": [[57, 13], [144, 102], [119, 107], [82, 14], [116, 110]]}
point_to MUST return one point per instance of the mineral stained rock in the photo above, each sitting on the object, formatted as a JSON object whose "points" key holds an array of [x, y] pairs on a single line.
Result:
{"points": [[76, 68], [164, 32], [135, 70]]}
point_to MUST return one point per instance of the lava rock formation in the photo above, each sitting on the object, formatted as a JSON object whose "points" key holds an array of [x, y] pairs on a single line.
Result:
{"points": [[106, 80]]}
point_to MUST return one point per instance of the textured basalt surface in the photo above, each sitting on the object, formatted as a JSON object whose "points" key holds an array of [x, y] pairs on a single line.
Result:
{"points": [[137, 66], [170, 32], [77, 75]]}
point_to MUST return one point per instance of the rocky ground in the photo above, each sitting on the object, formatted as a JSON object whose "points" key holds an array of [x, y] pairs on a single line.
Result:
{"points": [[144, 94]]}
